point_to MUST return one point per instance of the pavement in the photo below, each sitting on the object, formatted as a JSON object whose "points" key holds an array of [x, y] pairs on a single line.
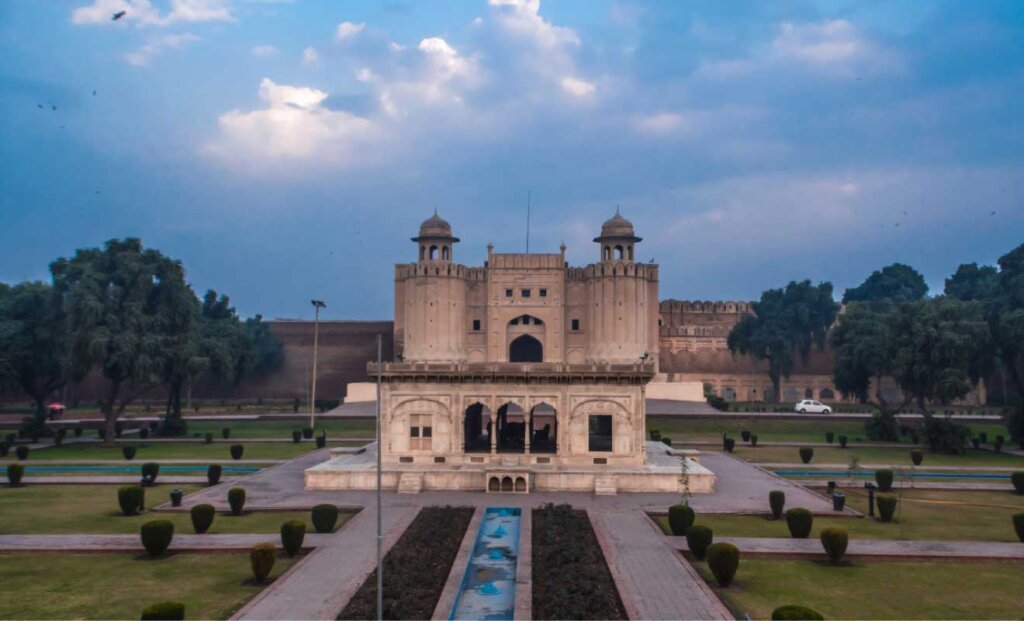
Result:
{"points": [[922, 469], [117, 480]]}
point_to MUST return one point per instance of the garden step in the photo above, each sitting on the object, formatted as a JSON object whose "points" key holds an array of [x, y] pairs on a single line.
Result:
{"points": [[607, 485], [410, 483]]}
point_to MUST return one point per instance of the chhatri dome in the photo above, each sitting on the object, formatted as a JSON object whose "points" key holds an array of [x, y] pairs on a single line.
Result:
{"points": [[435, 227], [617, 227]]}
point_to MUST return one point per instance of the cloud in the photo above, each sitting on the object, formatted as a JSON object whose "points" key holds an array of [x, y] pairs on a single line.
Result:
{"points": [[157, 45], [577, 87], [660, 123], [522, 17], [835, 46], [143, 13], [347, 30], [264, 51], [310, 57]]}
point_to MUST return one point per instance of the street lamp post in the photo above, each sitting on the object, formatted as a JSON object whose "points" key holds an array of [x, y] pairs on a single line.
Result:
{"points": [[317, 304]]}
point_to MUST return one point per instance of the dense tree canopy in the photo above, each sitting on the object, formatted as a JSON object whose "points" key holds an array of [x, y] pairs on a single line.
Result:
{"points": [[786, 323], [896, 282], [971, 282]]}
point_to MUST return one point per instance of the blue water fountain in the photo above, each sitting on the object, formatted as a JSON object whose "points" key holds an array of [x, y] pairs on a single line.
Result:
{"points": [[488, 587]]}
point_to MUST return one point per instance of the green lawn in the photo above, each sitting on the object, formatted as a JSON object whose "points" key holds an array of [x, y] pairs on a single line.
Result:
{"points": [[878, 590], [896, 456], [55, 509], [155, 451], [347, 428], [683, 429], [119, 586], [922, 515]]}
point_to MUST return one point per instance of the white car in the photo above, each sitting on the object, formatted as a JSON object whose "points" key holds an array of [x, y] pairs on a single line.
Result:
{"points": [[812, 406]]}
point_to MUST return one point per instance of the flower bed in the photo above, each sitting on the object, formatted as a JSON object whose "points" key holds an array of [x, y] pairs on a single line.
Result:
{"points": [[570, 577], [416, 568]]}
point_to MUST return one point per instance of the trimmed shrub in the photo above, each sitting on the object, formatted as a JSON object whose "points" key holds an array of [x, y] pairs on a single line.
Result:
{"points": [[776, 500], [842, 441], [129, 452], [753, 439], [236, 498], [976, 443], [916, 457], [324, 516], [655, 435], [792, 612], [983, 437], [834, 540], [237, 450], [156, 536], [150, 470], [806, 454], [698, 538], [144, 433], [1018, 525], [132, 499], [213, 474], [307, 432], [730, 444], [14, 474], [225, 433], [1017, 478], [202, 518], [666, 441], [799, 522], [723, 561], [21, 452], [829, 436], [886, 507], [321, 440], [296, 436], [262, 558], [745, 434], [209, 438], [884, 479], [292, 534], [163, 611], [680, 519]]}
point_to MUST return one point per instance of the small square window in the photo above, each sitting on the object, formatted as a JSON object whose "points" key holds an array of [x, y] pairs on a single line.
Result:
{"points": [[414, 432], [575, 325], [508, 293], [525, 293], [476, 325], [543, 293], [428, 432]]}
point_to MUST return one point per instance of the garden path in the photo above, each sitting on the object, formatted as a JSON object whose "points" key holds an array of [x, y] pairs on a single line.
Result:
{"points": [[875, 548], [132, 543]]}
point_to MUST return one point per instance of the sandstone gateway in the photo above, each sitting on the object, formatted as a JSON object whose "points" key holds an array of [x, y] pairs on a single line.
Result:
{"points": [[523, 374]]}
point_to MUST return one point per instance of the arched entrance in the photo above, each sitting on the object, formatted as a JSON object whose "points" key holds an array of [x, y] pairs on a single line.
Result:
{"points": [[544, 429], [511, 429], [525, 349], [477, 429]]}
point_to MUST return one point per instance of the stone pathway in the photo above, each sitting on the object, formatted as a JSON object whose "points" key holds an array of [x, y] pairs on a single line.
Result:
{"points": [[118, 480], [785, 465], [653, 581], [319, 586], [132, 543], [873, 548]]}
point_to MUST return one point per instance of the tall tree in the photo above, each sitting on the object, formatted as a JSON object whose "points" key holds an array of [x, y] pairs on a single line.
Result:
{"points": [[896, 282], [34, 345], [182, 355], [971, 282], [125, 309], [1006, 322], [786, 323]]}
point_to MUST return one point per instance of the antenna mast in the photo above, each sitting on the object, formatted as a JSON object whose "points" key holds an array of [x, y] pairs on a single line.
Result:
{"points": [[528, 222]]}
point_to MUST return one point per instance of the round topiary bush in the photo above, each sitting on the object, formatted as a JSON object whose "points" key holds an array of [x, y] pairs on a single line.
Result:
{"points": [[916, 457], [213, 474], [886, 507], [1017, 478], [307, 432], [209, 438], [799, 522], [225, 433], [156, 536], [14, 474], [698, 538], [262, 558], [131, 499], [150, 470], [753, 439], [723, 561], [776, 500], [21, 452], [321, 440], [144, 433], [236, 451], [842, 441], [834, 540], [796, 613], [680, 519], [129, 452], [236, 498], [745, 435], [884, 479], [202, 517], [730, 444], [296, 436], [806, 454], [1018, 525], [292, 534], [829, 436], [325, 516], [163, 611]]}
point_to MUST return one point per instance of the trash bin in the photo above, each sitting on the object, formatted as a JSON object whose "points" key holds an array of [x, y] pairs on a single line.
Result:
{"points": [[176, 495], [838, 501]]}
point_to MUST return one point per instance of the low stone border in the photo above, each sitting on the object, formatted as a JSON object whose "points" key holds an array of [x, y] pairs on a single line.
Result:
{"points": [[524, 567], [451, 586]]}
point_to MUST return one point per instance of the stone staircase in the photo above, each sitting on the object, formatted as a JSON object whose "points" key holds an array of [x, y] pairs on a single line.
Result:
{"points": [[606, 485], [410, 483]]}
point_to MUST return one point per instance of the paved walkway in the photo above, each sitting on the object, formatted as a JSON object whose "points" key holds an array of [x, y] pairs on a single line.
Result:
{"points": [[784, 465], [922, 485], [653, 581], [874, 548], [132, 543], [139, 462], [118, 480], [319, 586]]}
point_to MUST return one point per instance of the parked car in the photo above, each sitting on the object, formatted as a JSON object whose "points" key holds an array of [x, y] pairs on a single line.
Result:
{"points": [[812, 406]]}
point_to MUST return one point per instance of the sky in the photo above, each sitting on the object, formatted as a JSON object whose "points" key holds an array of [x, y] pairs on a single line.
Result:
{"points": [[288, 150]]}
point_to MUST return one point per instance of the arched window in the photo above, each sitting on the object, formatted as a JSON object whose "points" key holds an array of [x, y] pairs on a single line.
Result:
{"points": [[618, 253], [445, 253], [607, 253], [433, 252], [629, 252], [423, 252], [525, 349]]}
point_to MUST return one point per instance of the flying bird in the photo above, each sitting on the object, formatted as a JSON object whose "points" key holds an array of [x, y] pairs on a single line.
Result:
{"points": [[992, 214], [40, 106], [54, 107], [94, 93], [118, 16]]}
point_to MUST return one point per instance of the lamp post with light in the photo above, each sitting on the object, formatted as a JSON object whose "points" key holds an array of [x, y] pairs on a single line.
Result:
{"points": [[317, 305]]}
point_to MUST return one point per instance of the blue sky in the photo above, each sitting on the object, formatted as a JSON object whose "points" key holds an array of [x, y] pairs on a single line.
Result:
{"points": [[288, 150]]}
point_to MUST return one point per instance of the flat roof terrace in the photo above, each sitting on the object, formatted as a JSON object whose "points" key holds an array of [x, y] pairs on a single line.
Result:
{"points": [[513, 372]]}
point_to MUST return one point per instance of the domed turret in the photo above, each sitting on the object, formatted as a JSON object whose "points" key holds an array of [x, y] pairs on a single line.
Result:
{"points": [[435, 239], [617, 238]]}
